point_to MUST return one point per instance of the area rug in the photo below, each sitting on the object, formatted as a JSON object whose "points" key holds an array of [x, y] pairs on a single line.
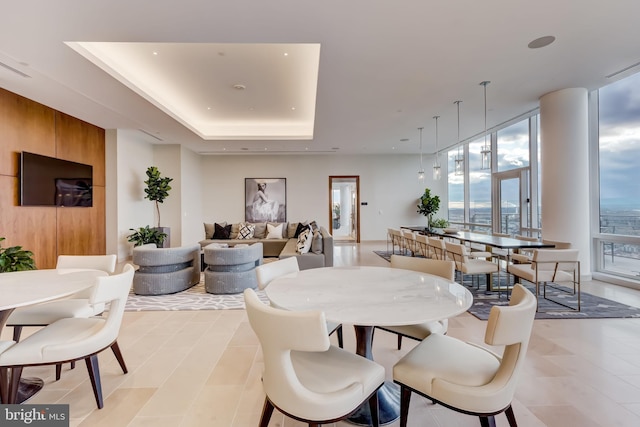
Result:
{"points": [[194, 298], [592, 307]]}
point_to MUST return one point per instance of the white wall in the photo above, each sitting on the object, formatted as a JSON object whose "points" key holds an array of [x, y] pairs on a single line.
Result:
{"points": [[388, 184], [192, 195], [133, 210], [168, 159]]}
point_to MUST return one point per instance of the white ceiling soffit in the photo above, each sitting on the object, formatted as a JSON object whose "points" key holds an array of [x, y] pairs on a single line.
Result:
{"points": [[220, 91]]}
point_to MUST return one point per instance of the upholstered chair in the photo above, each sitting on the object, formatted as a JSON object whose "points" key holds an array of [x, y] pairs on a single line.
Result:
{"points": [[396, 240], [422, 245], [72, 339], [76, 305], [409, 239], [442, 268], [466, 377], [523, 256], [560, 266], [265, 273], [466, 265], [438, 248], [305, 377], [165, 270]]}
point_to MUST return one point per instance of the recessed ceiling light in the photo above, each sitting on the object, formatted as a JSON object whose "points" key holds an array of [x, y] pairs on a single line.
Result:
{"points": [[541, 42], [208, 108], [293, 108], [265, 148], [239, 87], [286, 54], [155, 53]]}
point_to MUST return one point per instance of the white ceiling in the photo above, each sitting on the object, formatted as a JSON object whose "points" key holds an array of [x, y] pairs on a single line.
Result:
{"points": [[385, 68]]}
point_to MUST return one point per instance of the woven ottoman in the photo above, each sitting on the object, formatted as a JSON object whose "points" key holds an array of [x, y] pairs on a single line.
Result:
{"points": [[231, 270]]}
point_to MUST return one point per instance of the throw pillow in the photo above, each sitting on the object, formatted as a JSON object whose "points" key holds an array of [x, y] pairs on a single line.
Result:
{"points": [[235, 228], [316, 242], [246, 231], [209, 229], [314, 226], [291, 229], [301, 227], [222, 231], [260, 231], [304, 242], [274, 232]]}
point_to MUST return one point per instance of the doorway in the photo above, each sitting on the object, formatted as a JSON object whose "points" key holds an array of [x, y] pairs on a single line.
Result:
{"points": [[344, 214], [512, 200]]}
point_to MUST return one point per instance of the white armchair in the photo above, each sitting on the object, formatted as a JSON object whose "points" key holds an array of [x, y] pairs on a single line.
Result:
{"points": [[442, 268], [466, 377], [560, 266], [265, 273], [305, 377], [71, 339]]}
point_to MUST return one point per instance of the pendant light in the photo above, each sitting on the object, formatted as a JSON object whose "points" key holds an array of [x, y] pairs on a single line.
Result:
{"points": [[459, 160], [421, 171], [436, 165], [486, 149]]}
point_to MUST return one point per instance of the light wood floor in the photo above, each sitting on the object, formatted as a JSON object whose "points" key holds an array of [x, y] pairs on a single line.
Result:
{"points": [[203, 369]]}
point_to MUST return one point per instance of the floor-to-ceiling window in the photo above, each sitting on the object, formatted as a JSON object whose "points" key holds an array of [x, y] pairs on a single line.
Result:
{"points": [[455, 184], [479, 189], [618, 234]]}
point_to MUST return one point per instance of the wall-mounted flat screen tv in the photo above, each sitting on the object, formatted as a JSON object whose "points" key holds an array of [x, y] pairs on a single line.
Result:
{"points": [[46, 181]]}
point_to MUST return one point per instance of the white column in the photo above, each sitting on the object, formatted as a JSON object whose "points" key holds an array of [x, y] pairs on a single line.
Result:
{"points": [[564, 162]]}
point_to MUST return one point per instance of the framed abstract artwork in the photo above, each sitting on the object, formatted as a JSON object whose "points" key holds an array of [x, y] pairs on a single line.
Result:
{"points": [[265, 199]]}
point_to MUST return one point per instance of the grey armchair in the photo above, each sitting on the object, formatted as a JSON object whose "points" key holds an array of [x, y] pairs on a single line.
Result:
{"points": [[165, 270]]}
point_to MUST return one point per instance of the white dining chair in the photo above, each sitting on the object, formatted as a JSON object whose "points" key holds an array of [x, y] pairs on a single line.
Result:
{"points": [[72, 339], [466, 377], [442, 268], [76, 305], [265, 273], [304, 376], [469, 266]]}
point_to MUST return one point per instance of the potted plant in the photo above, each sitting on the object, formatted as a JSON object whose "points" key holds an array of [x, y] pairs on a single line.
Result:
{"points": [[144, 235], [157, 191], [428, 206], [14, 258]]}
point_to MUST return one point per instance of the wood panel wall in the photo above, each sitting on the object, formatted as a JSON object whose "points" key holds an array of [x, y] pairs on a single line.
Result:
{"points": [[26, 125]]}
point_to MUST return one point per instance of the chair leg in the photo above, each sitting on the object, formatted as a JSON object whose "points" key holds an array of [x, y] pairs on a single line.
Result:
{"points": [[489, 421], [511, 417], [339, 333], [399, 342], [267, 410], [405, 398], [17, 331], [4, 385], [13, 382], [58, 371], [116, 352], [72, 365], [373, 409], [94, 376]]}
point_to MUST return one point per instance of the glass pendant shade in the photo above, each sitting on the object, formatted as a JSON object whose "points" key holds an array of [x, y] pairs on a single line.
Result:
{"points": [[486, 149], [459, 160], [436, 164], [421, 170]]}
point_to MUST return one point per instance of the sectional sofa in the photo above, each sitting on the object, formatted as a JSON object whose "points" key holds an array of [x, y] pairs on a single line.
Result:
{"points": [[320, 253]]}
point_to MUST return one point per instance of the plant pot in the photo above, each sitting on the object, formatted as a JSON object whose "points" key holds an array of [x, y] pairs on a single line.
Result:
{"points": [[167, 240]]}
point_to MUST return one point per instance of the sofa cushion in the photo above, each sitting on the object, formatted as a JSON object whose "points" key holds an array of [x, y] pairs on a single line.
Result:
{"points": [[304, 241], [274, 232], [246, 231], [260, 231], [316, 242], [222, 232]]}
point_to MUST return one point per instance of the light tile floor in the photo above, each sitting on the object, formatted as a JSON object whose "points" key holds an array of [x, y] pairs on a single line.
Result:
{"points": [[203, 369]]}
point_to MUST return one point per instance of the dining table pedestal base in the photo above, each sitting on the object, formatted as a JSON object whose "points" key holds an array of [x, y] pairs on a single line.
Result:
{"points": [[388, 407], [28, 387]]}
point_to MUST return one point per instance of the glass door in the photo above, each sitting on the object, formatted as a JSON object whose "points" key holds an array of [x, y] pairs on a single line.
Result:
{"points": [[512, 202]]}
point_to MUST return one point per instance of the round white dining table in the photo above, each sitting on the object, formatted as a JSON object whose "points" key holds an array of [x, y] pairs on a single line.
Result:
{"points": [[366, 297], [22, 288]]}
